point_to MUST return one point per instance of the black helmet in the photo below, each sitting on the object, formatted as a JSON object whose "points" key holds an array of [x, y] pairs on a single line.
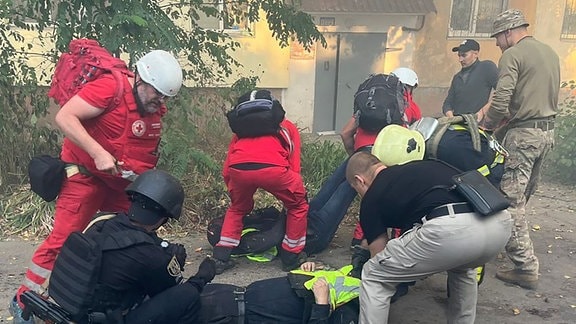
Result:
{"points": [[160, 192]]}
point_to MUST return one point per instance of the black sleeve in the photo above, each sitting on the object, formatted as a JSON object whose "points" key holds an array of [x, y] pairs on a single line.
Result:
{"points": [[320, 314], [492, 72], [371, 218], [447, 105], [163, 271]]}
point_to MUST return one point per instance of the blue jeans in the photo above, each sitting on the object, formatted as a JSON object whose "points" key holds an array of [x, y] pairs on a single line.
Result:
{"points": [[327, 209]]}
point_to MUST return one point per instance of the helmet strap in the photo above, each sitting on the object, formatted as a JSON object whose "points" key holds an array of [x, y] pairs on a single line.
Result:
{"points": [[506, 32], [139, 104]]}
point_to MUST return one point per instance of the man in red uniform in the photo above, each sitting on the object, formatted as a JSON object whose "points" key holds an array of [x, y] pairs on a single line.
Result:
{"points": [[103, 148], [270, 162]]}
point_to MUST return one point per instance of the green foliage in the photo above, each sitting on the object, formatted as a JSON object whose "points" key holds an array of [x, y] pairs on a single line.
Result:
{"points": [[319, 160], [561, 163], [136, 26], [25, 213], [123, 26], [22, 107], [192, 141]]}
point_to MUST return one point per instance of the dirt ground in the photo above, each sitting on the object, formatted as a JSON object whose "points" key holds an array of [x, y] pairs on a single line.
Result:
{"points": [[552, 216]]}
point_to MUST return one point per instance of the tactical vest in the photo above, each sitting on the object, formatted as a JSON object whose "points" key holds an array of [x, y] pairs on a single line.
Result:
{"points": [[74, 280], [137, 146]]}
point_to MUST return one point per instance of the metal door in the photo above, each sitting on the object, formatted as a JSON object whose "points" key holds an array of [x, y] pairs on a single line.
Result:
{"points": [[340, 67]]}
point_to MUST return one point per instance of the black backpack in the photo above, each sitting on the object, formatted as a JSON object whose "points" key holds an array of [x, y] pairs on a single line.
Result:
{"points": [[256, 117], [379, 102], [74, 279]]}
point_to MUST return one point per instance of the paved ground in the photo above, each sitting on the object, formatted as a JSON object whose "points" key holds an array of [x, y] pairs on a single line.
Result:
{"points": [[552, 215]]}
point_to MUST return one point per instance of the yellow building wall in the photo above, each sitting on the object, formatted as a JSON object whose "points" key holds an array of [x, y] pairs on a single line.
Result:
{"points": [[261, 55], [436, 64]]}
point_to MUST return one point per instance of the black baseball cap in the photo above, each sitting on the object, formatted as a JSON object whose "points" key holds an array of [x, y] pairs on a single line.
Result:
{"points": [[467, 45]]}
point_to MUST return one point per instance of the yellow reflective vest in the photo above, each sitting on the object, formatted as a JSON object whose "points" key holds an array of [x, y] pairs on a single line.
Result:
{"points": [[343, 288]]}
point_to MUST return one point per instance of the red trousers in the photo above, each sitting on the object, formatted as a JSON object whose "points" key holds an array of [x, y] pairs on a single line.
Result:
{"points": [[284, 184], [80, 199]]}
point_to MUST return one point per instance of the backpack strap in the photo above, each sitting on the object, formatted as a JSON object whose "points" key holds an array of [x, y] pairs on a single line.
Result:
{"points": [[286, 139], [119, 89]]}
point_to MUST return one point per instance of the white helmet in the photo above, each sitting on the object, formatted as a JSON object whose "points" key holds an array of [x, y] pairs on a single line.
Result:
{"points": [[161, 70], [406, 76]]}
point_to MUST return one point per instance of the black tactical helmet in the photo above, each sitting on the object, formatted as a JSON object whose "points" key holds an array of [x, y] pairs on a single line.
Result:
{"points": [[159, 188]]}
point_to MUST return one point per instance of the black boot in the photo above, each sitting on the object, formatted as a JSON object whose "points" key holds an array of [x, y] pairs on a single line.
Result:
{"points": [[359, 257], [290, 260], [222, 259], [401, 290]]}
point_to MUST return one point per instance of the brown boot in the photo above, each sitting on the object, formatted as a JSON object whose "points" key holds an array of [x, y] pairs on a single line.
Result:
{"points": [[524, 279]]}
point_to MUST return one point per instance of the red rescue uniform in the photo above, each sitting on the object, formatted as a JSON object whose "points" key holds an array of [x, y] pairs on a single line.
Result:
{"points": [[270, 162], [130, 138]]}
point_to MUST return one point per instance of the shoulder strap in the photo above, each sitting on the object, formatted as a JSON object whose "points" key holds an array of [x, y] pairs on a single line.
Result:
{"points": [[472, 124], [445, 187], [99, 218], [120, 239], [469, 121], [286, 139], [118, 76], [126, 238]]}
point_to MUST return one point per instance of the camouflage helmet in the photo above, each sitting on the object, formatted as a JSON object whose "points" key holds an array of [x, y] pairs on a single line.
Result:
{"points": [[509, 19]]}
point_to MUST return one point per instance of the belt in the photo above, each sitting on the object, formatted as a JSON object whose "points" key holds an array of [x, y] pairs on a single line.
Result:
{"points": [[73, 169], [239, 293], [449, 209], [544, 125]]}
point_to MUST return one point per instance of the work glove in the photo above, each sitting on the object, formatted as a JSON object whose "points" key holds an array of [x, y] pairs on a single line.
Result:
{"points": [[179, 251], [205, 274]]}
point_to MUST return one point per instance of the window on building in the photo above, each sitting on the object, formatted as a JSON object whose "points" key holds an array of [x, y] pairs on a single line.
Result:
{"points": [[569, 24], [232, 17], [474, 18]]}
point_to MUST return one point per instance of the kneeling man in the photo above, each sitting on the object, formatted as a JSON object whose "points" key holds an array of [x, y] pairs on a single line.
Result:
{"points": [[443, 233]]}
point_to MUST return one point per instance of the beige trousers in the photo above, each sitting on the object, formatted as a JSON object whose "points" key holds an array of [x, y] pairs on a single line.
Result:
{"points": [[456, 243]]}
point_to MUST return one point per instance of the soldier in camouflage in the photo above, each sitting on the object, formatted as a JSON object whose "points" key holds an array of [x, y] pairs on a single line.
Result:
{"points": [[523, 109]]}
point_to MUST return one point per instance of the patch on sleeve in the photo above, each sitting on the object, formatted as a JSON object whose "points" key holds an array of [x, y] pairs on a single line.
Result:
{"points": [[174, 267]]}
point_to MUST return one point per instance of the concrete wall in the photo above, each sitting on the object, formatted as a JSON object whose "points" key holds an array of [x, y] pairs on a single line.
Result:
{"points": [[298, 97], [436, 64]]}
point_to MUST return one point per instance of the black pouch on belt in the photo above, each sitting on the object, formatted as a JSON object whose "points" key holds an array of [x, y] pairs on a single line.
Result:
{"points": [[46, 175], [480, 193]]}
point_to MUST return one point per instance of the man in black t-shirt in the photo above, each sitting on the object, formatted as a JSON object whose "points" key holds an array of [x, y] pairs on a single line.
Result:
{"points": [[443, 234]]}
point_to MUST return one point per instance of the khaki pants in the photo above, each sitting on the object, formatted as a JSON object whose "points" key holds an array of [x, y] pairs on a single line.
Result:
{"points": [[456, 243]]}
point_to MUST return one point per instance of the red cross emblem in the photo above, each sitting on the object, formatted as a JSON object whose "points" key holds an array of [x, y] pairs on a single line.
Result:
{"points": [[138, 128]]}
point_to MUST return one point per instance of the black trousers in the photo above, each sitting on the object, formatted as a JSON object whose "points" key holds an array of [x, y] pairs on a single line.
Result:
{"points": [[267, 301], [179, 304]]}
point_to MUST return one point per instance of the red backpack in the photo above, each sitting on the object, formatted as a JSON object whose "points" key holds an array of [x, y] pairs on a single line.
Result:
{"points": [[86, 61]]}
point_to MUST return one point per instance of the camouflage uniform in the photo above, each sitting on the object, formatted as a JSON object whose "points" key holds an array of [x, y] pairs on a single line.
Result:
{"points": [[526, 100], [527, 148]]}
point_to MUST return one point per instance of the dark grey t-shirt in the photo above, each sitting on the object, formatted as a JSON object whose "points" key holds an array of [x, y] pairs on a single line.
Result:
{"points": [[470, 88]]}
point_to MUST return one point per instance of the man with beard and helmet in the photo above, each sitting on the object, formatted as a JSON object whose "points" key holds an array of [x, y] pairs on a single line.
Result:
{"points": [[139, 274], [104, 145]]}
